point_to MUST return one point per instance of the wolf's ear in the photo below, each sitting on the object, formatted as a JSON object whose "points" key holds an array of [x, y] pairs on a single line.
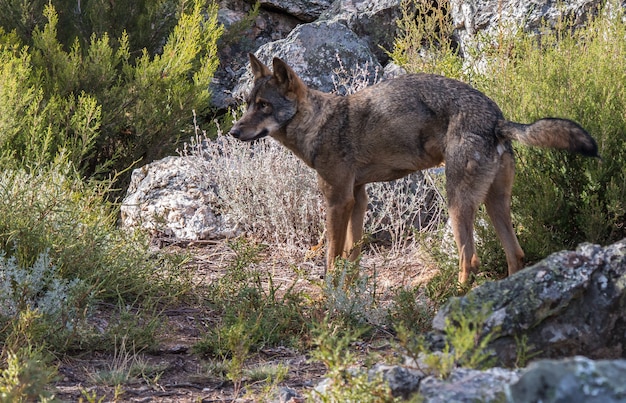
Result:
{"points": [[287, 79], [259, 70]]}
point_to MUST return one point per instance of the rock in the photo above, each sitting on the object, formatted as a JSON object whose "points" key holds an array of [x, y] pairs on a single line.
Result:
{"points": [[373, 21], [287, 395], [315, 51], [468, 385], [174, 197], [238, 40], [313, 48], [471, 17], [573, 380], [463, 385], [305, 10], [402, 381], [571, 303]]}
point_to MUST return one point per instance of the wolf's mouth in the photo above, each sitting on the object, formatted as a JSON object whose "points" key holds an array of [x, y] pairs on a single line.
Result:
{"points": [[261, 134]]}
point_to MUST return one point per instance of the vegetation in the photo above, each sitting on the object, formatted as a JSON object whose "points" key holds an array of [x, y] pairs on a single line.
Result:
{"points": [[78, 109], [559, 199], [104, 104], [88, 92]]}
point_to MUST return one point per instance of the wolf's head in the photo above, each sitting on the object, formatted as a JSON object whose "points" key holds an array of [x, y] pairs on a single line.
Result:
{"points": [[273, 101]]}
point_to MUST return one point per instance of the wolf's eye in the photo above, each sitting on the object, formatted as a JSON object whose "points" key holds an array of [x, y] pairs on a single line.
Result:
{"points": [[264, 106]]}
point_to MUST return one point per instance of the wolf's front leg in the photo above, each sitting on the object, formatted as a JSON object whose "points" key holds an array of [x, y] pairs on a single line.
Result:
{"points": [[354, 235], [337, 217], [339, 207]]}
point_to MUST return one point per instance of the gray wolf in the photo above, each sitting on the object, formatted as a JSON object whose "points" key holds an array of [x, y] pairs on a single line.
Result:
{"points": [[396, 127]]}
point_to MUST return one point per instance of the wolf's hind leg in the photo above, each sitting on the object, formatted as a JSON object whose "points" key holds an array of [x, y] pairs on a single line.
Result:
{"points": [[462, 216], [498, 204], [469, 173]]}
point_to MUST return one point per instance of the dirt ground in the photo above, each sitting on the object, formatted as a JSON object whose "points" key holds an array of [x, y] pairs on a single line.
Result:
{"points": [[177, 375]]}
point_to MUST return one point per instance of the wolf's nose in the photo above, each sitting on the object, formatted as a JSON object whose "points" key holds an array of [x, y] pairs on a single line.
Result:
{"points": [[235, 132]]}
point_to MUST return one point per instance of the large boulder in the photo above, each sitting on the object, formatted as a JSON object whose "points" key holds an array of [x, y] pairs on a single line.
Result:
{"points": [[315, 51], [472, 17], [374, 21], [174, 198], [571, 303]]}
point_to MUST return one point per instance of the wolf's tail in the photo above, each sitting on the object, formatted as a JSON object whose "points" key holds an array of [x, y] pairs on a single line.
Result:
{"points": [[562, 134]]}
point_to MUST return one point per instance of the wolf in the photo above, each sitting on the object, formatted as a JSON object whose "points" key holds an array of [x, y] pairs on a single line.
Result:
{"points": [[394, 128]]}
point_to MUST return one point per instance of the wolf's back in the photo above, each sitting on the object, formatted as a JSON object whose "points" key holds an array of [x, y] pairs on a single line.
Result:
{"points": [[556, 133]]}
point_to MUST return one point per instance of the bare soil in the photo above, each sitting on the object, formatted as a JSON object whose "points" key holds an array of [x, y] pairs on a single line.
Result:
{"points": [[176, 374]]}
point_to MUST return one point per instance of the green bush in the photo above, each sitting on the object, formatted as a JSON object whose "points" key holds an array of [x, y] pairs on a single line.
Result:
{"points": [[75, 111], [26, 377], [424, 42], [147, 21], [559, 199], [61, 249], [562, 199], [346, 382], [97, 100]]}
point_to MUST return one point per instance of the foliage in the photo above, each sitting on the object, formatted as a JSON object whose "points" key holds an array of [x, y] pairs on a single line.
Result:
{"points": [[62, 254], [467, 338], [424, 42], [37, 298], [148, 21], [411, 309], [351, 296], [98, 102], [253, 316], [559, 199], [26, 377], [127, 364], [346, 382]]}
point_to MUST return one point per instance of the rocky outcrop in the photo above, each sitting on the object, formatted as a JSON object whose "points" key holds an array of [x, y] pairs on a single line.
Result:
{"points": [[369, 28], [316, 37], [172, 198], [372, 21], [571, 303], [314, 48], [471, 17]]}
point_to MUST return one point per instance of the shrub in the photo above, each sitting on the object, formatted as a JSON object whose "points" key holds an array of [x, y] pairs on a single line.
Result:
{"points": [[58, 302], [99, 103], [559, 199], [467, 338], [345, 381], [424, 42], [26, 377], [62, 254], [148, 21]]}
